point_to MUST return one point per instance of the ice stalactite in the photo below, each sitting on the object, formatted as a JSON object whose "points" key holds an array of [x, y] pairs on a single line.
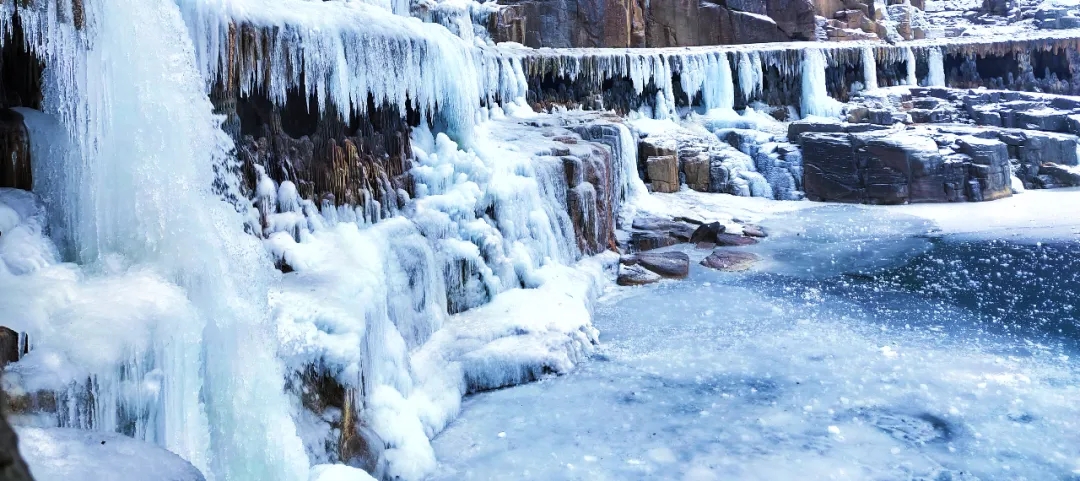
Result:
{"points": [[936, 77], [815, 93], [909, 62], [750, 75], [869, 65], [719, 91]]}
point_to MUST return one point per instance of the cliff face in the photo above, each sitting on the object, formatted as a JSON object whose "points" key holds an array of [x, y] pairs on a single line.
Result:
{"points": [[662, 23]]}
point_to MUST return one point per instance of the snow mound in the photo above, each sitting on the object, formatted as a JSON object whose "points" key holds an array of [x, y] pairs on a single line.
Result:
{"points": [[61, 454]]}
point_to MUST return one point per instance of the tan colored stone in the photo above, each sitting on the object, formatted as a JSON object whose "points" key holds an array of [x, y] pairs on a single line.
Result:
{"points": [[664, 173]]}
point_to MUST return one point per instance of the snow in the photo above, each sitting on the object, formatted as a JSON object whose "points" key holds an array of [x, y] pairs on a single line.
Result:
{"points": [[338, 472], [61, 454]]}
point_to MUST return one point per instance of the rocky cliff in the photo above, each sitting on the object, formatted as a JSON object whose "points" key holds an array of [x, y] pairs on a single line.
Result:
{"points": [[660, 23]]}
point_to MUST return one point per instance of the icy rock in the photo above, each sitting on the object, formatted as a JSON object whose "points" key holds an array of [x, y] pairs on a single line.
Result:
{"points": [[1050, 120], [1054, 175], [63, 454], [636, 275], [734, 240], [653, 233], [730, 261], [364, 449], [707, 233], [754, 231], [1074, 124], [671, 265]]}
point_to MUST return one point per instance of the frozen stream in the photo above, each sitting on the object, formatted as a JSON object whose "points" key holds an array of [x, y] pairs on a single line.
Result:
{"points": [[957, 359]]}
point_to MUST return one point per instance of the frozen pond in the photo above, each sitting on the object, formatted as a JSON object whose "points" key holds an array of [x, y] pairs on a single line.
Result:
{"points": [[955, 360]]}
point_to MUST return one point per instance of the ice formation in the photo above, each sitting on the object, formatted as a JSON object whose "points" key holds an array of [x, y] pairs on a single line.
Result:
{"points": [[869, 69], [936, 77], [153, 312], [815, 95]]}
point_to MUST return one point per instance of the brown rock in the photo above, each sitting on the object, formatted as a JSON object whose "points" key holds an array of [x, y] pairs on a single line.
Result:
{"points": [[730, 261], [9, 346], [673, 265], [734, 240], [707, 233], [753, 231], [635, 275], [15, 143], [664, 173]]}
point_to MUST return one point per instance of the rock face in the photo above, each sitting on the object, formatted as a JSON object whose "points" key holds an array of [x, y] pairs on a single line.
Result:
{"points": [[14, 143], [12, 466], [640, 23], [1035, 129], [902, 167]]}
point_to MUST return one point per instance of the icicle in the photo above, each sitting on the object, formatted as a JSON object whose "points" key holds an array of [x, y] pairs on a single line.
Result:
{"points": [[750, 74], [936, 77], [869, 68], [815, 94], [909, 61], [719, 90]]}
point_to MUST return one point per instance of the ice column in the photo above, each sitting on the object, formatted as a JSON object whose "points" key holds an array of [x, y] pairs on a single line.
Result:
{"points": [[815, 94], [719, 92], [909, 60], [936, 77], [749, 74], [869, 68]]}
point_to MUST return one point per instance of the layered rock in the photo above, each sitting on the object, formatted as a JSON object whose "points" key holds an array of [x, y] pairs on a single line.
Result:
{"points": [[636, 23], [902, 167]]}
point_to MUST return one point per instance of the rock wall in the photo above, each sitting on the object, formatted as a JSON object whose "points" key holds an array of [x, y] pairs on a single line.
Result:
{"points": [[660, 23]]}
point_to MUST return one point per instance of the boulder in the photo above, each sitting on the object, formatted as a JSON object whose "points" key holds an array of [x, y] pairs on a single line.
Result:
{"points": [[707, 233], [663, 173], [734, 240], [672, 265], [364, 449], [9, 346], [730, 261], [1054, 175], [636, 275], [754, 231], [654, 232]]}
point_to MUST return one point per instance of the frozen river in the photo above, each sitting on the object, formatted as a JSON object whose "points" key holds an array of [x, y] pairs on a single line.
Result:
{"points": [[864, 347]]}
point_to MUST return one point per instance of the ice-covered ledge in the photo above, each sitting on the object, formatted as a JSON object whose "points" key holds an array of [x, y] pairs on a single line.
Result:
{"points": [[626, 78]]}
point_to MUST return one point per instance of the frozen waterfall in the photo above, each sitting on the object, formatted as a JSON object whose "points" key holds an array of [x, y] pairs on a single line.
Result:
{"points": [[815, 94]]}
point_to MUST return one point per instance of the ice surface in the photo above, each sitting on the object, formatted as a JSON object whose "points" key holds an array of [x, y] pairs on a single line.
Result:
{"points": [[60, 454], [946, 365]]}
